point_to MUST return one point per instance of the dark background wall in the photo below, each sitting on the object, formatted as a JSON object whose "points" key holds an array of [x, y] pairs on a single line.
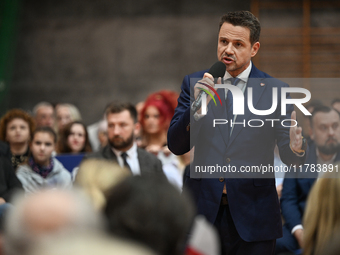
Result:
{"points": [[89, 53], [92, 52]]}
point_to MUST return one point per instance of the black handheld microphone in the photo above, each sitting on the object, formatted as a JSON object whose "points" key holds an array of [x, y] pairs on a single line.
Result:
{"points": [[216, 70]]}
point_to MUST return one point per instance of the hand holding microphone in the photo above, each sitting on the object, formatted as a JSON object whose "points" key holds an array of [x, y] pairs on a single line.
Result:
{"points": [[217, 70]]}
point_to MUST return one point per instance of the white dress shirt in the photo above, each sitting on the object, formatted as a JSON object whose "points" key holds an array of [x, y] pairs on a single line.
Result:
{"points": [[131, 159]]}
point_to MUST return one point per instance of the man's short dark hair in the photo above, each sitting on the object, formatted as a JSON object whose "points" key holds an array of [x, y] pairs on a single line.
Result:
{"points": [[334, 101], [321, 108], [119, 107], [151, 212], [243, 19]]}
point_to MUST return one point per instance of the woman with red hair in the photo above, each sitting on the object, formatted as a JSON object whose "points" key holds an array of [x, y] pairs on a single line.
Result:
{"points": [[155, 119]]}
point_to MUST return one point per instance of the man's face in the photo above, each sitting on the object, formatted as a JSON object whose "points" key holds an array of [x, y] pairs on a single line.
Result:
{"points": [[326, 132], [234, 48], [120, 130], [45, 117]]}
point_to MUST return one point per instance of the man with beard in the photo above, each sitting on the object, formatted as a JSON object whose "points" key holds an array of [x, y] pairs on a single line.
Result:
{"points": [[324, 150], [122, 125]]}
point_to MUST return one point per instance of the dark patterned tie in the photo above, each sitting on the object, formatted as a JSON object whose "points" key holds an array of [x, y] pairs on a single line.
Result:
{"points": [[229, 102], [124, 156]]}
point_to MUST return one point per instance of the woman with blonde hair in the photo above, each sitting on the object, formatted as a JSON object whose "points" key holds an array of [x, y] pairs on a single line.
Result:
{"points": [[96, 176], [66, 113], [322, 216]]}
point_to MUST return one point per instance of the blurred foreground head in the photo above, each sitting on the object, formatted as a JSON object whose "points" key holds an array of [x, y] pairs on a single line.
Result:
{"points": [[89, 244], [47, 214], [151, 212], [321, 220], [96, 176]]}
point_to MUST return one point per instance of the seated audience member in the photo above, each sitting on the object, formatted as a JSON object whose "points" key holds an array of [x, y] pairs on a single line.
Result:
{"points": [[155, 118], [93, 131], [16, 128], [306, 120], [102, 133], [122, 126], [151, 212], [89, 244], [336, 104], [47, 214], [325, 150], [96, 176], [74, 139], [4, 150], [41, 169], [9, 183], [66, 113], [322, 215], [44, 115]]}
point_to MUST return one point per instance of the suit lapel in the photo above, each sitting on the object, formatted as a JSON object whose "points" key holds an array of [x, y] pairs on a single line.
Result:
{"points": [[143, 163], [108, 153]]}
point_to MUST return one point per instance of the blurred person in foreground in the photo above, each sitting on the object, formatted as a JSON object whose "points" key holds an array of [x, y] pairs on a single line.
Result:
{"points": [[122, 148], [151, 212], [89, 244], [96, 176], [42, 170], [322, 216], [323, 150], [16, 129], [47, 213], [44, 115]]}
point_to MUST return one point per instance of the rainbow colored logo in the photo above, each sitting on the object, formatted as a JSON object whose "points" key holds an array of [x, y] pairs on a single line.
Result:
{"points": [[207, 91]]}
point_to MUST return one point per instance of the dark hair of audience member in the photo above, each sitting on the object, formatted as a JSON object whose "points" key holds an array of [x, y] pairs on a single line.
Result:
{"points": [[47, 130], [151, 212], [321, 108], [63, 145], [120, 107]]}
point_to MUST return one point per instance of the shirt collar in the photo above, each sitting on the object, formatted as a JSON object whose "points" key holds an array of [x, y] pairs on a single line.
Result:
{"points": [[242, 76], [130, 152]]}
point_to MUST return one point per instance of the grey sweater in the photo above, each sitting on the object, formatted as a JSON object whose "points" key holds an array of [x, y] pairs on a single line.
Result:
{"points": [[32, 181]]}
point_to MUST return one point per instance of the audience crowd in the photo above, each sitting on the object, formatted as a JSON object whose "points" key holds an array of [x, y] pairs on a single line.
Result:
{"points": [[114, 187]]}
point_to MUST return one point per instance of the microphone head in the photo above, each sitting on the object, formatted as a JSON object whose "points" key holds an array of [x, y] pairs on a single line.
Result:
{"points": [[217, 69]]}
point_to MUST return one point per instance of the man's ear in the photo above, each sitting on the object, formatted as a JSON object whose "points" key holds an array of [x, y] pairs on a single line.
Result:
{"points": [[311, 134], [255, 49]]}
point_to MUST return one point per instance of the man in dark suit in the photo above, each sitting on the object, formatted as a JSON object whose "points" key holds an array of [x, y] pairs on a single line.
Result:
{"points": [[122, 125], [244, 210], [323, 150]]}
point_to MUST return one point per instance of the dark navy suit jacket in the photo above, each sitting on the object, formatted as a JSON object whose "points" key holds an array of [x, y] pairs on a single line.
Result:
{"points": [[253, 202], [296, 187]]}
